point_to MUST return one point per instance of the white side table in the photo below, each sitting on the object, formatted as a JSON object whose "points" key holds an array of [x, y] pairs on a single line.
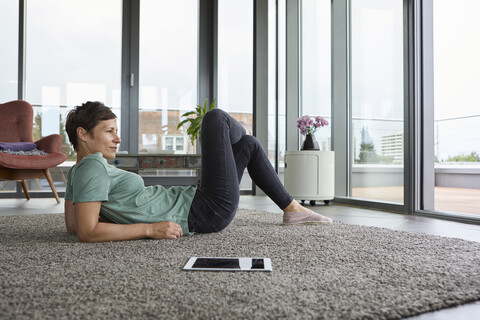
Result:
{"points": [[310, 175]]}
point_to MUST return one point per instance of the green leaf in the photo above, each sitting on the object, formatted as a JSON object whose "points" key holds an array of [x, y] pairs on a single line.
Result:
{"points": [[196, 120], [182, 123], [188, 114], [195, 123]]}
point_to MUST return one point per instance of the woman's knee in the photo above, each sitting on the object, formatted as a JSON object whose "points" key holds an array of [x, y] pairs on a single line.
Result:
{"points": [[251, 142], [214, 115]]}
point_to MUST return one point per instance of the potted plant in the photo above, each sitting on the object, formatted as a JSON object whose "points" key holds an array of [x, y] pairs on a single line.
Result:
{"points": [[308, 125], [195, 123]]}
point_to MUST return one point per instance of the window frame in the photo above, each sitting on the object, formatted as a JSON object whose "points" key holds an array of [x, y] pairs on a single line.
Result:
{"points": [[342, 100]]}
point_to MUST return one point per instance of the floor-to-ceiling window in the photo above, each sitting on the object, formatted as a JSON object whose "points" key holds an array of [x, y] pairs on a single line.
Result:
{"points": [[456, 107], [235, 62], [8, 63], [9, 52], [377, 100], [316, 65], [73, 55], [168, 74]]}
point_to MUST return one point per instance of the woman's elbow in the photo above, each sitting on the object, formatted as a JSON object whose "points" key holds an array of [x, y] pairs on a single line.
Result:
{"points": [[85, 239], [85, 236]]}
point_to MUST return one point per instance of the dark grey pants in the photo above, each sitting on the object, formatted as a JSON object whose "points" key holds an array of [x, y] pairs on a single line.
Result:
{"points": [[226, 152]]}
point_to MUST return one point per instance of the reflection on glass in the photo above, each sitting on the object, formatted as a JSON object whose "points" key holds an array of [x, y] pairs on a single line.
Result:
{"points": [[457, 115], [168, 73], [316, 65], [9, 51], [70, 60], [377, 100]]}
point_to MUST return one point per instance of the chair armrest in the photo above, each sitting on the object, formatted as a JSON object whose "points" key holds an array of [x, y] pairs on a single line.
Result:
{"points": [[50, 144]]}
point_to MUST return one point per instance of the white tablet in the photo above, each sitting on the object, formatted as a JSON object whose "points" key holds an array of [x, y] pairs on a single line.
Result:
{"points": [[228, 264]]}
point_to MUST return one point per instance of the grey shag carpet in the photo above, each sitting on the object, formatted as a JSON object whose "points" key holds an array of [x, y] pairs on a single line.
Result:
{"points": [[319, 272]]}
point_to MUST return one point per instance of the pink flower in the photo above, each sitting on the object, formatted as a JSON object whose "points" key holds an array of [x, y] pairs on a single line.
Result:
{"points": [[308, 125]]}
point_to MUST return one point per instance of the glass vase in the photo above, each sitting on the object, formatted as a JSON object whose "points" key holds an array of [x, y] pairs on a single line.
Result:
{"points": [[310, 143]]}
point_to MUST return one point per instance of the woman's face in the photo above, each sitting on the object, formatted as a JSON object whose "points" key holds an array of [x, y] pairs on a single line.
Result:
{"points": [[104, 139]]}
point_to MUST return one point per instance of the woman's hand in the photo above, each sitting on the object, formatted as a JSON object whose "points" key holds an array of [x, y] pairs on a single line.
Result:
{"points": [[164, 230]]}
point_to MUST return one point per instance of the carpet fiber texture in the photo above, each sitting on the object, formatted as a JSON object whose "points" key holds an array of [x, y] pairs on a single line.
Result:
{"points": [[340, 271]]}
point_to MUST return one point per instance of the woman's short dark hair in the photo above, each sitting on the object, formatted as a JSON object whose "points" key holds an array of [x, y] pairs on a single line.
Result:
{"points": [[87, 116]]}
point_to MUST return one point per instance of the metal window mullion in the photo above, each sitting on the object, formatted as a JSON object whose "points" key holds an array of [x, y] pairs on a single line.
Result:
{"points": [[340, 78], [207, 50], [292, 73], [412, 103], [408, 88], [130, 68], [22, 10], [427, 161], [260, 74], [277, 151], [21, 66]]}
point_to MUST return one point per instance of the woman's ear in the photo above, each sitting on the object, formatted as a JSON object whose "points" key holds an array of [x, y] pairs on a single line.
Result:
{"points": [[82, 134]]}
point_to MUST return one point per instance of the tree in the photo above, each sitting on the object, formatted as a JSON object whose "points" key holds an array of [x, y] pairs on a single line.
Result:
{"points": [[472, 157], [367, 153]]}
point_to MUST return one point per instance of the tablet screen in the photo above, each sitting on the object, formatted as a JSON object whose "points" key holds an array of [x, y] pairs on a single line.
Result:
{"points": [[216, 263], [258, 264], [228, 264]]}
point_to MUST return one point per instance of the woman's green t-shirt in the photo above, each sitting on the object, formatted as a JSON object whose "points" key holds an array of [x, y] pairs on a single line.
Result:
{"points": [[124, 197]]}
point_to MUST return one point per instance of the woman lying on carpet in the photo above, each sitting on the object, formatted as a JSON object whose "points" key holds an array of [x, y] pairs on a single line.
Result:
{"points": [[104, 203]]}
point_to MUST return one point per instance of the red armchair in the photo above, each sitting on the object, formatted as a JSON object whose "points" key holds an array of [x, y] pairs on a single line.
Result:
{"points": [[16, 125]]}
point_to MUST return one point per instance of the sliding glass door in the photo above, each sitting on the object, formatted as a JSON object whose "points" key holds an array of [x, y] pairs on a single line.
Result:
{"points": [[456, 45], [377, 101]]}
